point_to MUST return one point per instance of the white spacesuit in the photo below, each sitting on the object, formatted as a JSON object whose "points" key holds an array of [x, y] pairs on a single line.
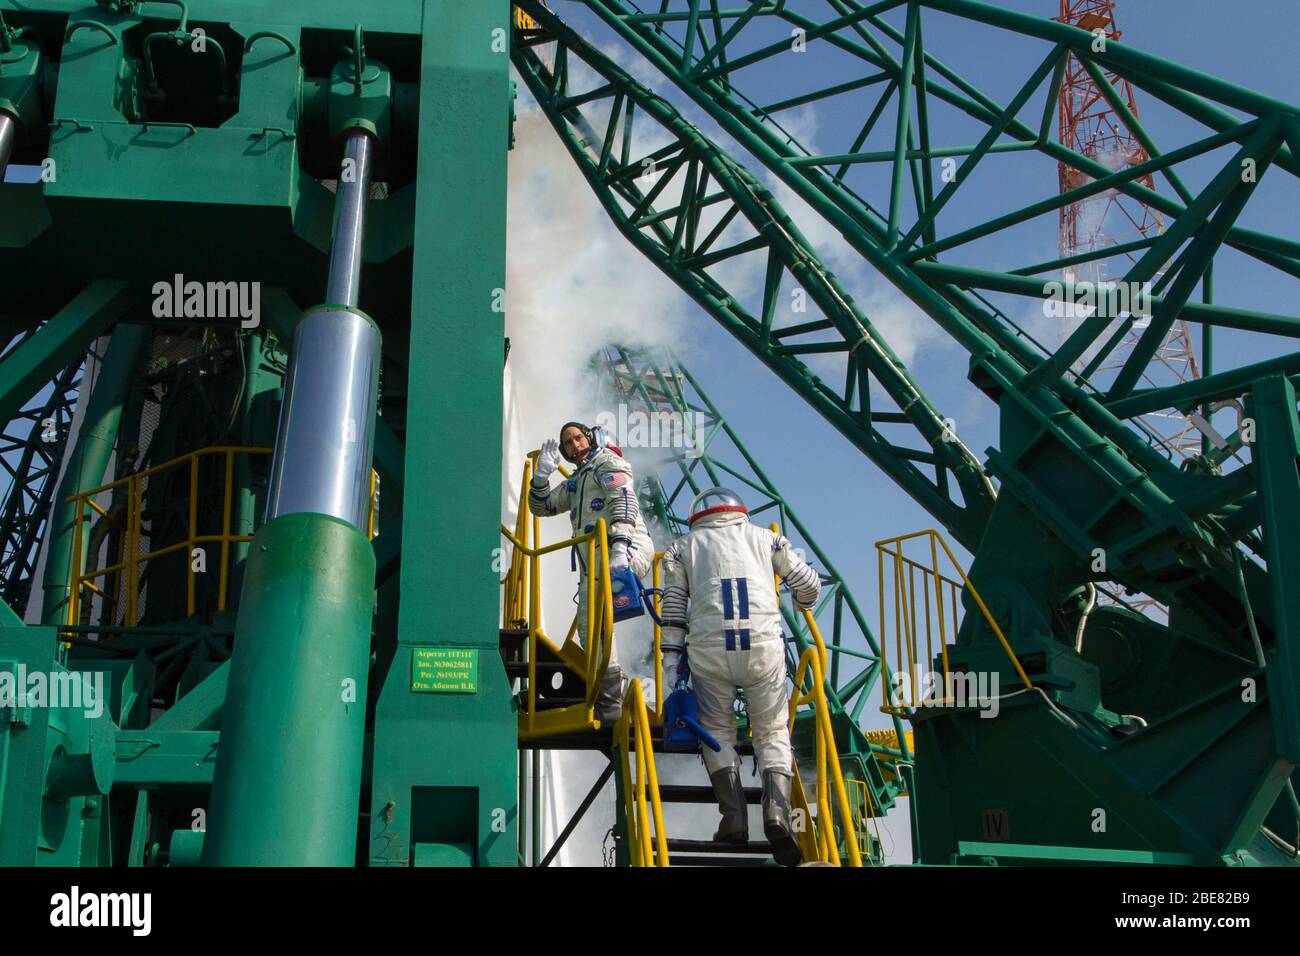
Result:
{"points": [[718, 585], [602, 486]]}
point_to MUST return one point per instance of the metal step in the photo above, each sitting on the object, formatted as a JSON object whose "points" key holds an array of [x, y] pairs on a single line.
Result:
{"points": [[555, 703], [603, 739], [719, 861], [520, 668], [752, 848], [682, 793]]}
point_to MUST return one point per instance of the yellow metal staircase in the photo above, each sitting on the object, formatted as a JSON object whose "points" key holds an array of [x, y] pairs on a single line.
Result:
{"points": [[557, 685]]}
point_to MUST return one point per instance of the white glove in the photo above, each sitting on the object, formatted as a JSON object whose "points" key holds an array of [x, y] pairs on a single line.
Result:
{"points": [[547, 460], [672, 661], [618, 558]]}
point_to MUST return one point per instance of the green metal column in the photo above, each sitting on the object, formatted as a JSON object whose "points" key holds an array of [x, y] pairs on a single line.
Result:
{"points": [[287, 781], [444, 784], [1273, 405], [87, 461]]}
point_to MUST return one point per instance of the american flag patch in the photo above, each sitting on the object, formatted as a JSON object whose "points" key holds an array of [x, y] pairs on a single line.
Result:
{"points": [[614, 480]]}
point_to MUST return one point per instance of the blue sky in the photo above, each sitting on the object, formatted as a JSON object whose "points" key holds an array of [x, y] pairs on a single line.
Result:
{"points": [[843, 498]]}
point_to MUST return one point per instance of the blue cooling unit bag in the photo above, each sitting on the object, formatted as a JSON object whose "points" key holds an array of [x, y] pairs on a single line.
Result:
{"points": [[682, 730], [625, 588]]}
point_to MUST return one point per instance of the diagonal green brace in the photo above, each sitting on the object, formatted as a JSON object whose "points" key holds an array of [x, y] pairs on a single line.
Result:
{"points": [[1199, 256], [1277, 445], [59, 342], [7, 616]]}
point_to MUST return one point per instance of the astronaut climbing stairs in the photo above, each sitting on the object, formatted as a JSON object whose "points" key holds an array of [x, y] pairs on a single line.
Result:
{"points": [[555, 683]]}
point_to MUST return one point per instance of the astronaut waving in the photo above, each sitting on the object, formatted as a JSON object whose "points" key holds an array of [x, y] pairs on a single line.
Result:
{"points": [[602, 486]]}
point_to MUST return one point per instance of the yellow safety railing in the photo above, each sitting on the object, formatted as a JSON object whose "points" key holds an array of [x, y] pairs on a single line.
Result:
{"points": [[930, 619], [889, 738], [514, 607], [861, 808], [830, 779], [657, 654], [822, 846], [126, 570], [523, 21], [647, 845], [522, 607]]}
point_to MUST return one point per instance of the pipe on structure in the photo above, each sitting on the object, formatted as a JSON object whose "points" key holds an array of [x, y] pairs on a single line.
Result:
{"points": [[344, 286], [87, 462], [325, 440], [324, 447], [286, 790], [8, 134]]}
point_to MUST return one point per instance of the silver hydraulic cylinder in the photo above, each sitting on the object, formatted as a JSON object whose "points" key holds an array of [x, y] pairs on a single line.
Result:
{"points": [[325, 442], [8, 134]]}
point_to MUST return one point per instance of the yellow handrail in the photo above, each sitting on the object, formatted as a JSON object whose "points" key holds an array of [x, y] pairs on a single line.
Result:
{"points": [[826, 749], [828, 759], [889, 738], [657, 654], [525, 572], [640, 794], [131, 559], [909, 622]]}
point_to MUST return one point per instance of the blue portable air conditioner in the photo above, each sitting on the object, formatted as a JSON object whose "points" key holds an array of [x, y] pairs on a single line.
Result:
{"points": [[626, 589], [682, 730]]}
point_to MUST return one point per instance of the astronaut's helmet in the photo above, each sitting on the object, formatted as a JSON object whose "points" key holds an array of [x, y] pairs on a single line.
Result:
{"points": [[712, 500]]}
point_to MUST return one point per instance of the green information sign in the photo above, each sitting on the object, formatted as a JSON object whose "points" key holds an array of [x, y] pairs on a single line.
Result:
{"points": [[444, 670]]}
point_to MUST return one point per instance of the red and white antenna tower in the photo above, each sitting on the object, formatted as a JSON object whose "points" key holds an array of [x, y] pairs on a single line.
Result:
{"points": [[1090, 126]]}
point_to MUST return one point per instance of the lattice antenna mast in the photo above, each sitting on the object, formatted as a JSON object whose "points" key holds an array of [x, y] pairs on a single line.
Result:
{"points": [[1089, 124]]}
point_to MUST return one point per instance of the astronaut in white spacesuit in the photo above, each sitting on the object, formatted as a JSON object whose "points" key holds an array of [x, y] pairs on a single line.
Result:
{"points": [[718, 586], [602, 486]]}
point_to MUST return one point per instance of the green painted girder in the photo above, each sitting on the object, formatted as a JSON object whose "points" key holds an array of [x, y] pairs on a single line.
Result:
{"points": [[444, 790], [1273, 405], [1129, 466], [968, 850], [713, 77], [155, 758], [751, 221], [87, 461], [31, 453], [61, 340], [1074, 461]]}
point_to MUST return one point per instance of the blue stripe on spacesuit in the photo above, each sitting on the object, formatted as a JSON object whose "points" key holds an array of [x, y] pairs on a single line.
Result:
{"points": [[730, 635], [728, 611]]}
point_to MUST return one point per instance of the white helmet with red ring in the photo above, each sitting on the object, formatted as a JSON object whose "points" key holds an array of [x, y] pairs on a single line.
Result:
{"points": [[712, 501]]}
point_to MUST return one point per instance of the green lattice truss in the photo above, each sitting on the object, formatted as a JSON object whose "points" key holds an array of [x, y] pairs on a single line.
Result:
{"points": [[1074, 460], [717, 213], [719, 208], [31, 447]]}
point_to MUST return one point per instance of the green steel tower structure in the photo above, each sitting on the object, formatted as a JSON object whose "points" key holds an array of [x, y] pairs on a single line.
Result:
{"points": [[252, 284], [257, 149]]}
